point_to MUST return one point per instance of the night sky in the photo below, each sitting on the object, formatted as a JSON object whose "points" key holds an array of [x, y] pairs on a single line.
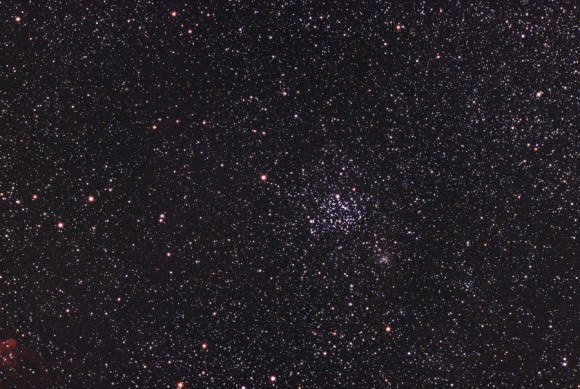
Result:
{"points": [[230, 194]]}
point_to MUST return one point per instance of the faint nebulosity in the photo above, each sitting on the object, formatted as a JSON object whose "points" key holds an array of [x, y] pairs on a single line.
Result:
{"points": [[291, 194]]}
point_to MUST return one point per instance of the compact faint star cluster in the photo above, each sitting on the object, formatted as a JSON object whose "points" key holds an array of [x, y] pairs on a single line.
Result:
{"points": [[289, 194]]}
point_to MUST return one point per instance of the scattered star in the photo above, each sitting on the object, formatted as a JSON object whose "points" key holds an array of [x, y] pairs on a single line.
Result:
{"points": [[289, 194]]}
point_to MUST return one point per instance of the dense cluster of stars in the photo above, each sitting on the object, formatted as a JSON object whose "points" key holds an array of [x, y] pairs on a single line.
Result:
{"points": [[289, 194]]}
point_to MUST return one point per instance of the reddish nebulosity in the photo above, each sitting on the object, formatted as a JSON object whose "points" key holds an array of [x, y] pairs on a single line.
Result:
{"points": [[20, 367]]}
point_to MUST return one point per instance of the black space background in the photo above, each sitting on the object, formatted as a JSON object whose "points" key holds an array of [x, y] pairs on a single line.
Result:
{"points": [[458, 130]]}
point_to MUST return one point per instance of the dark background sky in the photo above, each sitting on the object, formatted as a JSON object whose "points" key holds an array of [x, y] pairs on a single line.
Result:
{"points": [[292, 194]]}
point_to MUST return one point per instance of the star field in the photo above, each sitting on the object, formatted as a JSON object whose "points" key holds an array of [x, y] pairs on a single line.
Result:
{"points": [[291, 194]]}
